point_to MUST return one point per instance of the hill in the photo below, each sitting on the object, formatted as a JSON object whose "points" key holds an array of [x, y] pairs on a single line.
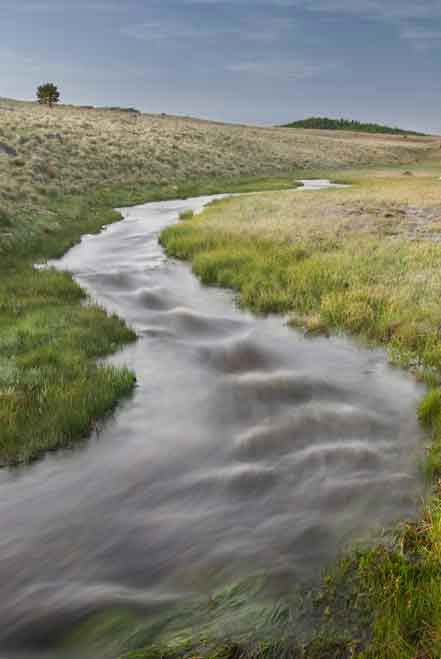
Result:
{"points": [[70, 149], [325, 123]]}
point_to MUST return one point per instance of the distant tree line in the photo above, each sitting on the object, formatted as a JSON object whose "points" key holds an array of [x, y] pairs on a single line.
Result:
{"points": [[325, 123]]}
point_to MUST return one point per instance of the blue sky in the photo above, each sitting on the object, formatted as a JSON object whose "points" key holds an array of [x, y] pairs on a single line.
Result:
{"points": [[257, 61]]}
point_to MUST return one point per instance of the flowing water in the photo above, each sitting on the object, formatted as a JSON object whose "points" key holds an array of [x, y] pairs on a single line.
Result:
{"points": [[246, 447]]}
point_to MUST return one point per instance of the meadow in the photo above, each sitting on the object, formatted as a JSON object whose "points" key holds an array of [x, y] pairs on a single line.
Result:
{"points": [[62, 170], [46, 153], [364, 259]]}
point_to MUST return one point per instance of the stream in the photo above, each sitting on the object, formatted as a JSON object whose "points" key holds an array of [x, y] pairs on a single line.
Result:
{"points": [[246, 448]]}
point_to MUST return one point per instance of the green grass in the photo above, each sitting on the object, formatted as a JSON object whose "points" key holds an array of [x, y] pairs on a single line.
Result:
{"points": [[52, 390], [317, 649], [238, 620], [367, 288], [343, 277], [402, 586]]}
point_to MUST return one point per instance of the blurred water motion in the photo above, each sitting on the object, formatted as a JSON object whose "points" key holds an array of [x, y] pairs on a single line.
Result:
{"points": [[246, 447]]}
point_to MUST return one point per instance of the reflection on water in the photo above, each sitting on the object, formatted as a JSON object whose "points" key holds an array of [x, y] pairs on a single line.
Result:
{"points": [[246, 447]]}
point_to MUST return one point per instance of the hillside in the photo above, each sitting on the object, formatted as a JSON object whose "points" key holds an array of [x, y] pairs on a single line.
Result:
{"points": [[47, 153], [325, 123], [364, 259]]}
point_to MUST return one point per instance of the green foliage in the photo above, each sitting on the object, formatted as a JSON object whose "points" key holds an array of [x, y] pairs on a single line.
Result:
{"points": [[48, 94], [52, 392], [350, 286], [321, 648], [403, 588], [364, 287], [186, 215], [5, 220], [325, 123]]}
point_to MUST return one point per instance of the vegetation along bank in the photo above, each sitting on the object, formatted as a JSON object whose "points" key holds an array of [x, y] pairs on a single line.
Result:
{"points": [[367, 260], [62, 170], [364, 259]]}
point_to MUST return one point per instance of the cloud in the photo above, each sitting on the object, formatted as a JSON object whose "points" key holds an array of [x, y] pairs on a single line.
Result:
{"points": [[250, 29], [60, 7], [390, 10], [387, 9], [422, 38], [281, 69], [161, 31], [418, 22]]}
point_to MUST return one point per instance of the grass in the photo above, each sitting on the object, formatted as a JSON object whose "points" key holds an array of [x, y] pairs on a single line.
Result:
{"points": [[64, 170], [70, 150], [364, 260], [360, 262], [317, 649], [52, 391], [72, 166], [238, 621]]}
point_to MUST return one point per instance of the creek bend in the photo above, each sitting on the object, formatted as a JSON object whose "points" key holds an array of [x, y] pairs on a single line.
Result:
{"points": [[245, 448]]}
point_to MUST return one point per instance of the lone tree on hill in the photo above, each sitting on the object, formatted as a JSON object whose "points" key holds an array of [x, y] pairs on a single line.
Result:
{"points": [[48, 94]]}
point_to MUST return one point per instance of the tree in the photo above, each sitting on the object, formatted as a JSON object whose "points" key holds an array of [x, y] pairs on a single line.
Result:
{"points": [[48, 94]]}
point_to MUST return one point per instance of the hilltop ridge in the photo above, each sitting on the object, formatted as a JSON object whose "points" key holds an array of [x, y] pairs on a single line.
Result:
{"points": [[326, 123]]}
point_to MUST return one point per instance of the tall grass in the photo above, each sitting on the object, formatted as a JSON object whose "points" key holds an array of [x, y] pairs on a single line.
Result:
{"points": [[52, 391], [357, 278]]}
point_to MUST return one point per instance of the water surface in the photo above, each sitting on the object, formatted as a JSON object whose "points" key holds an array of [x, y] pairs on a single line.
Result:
{"points": [[246, 447]]}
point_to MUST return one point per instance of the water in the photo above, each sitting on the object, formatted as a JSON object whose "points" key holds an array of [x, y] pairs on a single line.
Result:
{"points": [[245, 448]]}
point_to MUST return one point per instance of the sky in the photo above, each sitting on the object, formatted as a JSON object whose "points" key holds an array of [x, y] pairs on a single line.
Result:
{"points": [[251, 61]]}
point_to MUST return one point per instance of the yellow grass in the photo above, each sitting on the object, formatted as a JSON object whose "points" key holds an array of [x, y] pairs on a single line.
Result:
{"points": [[70, 149], [409, 207]]}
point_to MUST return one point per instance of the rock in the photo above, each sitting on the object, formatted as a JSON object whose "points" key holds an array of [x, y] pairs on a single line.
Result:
{"points": [[7, 150], [55, 136]]}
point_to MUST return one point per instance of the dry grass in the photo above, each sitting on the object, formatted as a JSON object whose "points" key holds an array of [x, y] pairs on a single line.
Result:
{"points": [[393, 206], [70, 149]]}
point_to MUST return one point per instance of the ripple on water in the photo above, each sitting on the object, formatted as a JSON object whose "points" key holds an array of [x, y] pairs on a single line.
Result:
{"points": [[308, 424], [238, 355], [194, 324], [155, 298], [244, 449]]}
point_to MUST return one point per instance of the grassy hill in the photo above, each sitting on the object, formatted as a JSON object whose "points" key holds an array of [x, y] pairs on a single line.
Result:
{"points": [[68, 150], [325, 123]]}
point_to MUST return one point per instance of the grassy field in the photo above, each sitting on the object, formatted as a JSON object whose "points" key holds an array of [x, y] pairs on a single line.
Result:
{"points": [[61, 173], [69, 150], [52, 392], [366, 260]]}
